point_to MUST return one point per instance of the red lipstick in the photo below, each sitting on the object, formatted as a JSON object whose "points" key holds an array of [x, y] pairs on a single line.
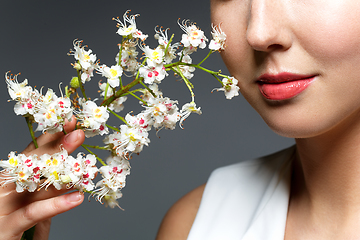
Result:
{"points": [[283, 86]]}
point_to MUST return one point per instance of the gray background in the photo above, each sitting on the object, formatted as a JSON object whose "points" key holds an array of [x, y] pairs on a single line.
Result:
{"points": [[35, 37]]}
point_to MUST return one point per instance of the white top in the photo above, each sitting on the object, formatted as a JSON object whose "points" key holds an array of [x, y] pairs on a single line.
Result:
{"points": [[247, 200]]}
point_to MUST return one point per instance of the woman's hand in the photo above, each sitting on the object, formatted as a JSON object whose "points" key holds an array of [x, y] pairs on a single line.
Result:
{"points": [[21, 211]]}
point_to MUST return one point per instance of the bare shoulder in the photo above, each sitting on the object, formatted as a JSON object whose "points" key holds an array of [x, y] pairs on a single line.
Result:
{"points": [[178, 220]]}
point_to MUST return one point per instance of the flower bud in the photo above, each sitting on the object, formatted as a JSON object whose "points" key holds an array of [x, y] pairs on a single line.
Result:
{"points": [[74, 83], [65, 178], [77, 66]]}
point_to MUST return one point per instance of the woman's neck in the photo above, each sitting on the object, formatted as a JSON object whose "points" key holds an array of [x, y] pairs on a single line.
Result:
{"points": [[330, 163], [326, 180]]}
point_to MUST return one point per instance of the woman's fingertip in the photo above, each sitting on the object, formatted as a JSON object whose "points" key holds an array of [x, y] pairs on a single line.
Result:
{"points": [[72, 137], [74, 197], [70, 125]]}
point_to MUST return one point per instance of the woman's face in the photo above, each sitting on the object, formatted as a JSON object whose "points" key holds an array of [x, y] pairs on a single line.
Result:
{"points": [[297, 62]]}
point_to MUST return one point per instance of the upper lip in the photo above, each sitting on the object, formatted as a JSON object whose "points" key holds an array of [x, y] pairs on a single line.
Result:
{"points": [[282, 77]]}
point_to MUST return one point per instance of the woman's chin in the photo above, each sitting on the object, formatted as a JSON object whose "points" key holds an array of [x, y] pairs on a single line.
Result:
{"points": [[298, 127]]}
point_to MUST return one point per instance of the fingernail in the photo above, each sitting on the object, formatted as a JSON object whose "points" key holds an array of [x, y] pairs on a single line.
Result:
{"points": [[72, 137], [73, 197]]}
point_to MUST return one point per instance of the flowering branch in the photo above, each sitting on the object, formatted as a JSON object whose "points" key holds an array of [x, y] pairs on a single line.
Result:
{"points": [[50, 111]]}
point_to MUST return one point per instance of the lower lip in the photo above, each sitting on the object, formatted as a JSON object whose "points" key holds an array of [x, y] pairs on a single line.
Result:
{"points": [[284, 90]]}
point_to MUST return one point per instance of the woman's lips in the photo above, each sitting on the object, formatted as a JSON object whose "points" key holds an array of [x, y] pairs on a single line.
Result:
{"points": [[284, 85]]}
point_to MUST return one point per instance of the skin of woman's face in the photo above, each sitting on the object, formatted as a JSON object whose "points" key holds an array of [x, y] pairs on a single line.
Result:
{"points": [[317, 38]]}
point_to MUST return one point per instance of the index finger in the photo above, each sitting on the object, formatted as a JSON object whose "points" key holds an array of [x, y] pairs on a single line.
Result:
{"points": [[45, 138]]}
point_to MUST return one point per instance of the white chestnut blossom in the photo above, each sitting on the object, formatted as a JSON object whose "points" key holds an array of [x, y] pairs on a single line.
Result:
{"points": [[54, 169], [128, 140], [193, 35], [52, 112], [132, 139], [163, 40], [28, 105], [187, 71], [26, 98], [111, 73], [141, 121], [127, 27], [218, 39], [22, 170], [80, 171], [230, 87], [187, 109], [93, 118], [155, 56], [86, 59], [163, 111], [128, 57], [114, 178], [153, 74], [17, 91]]}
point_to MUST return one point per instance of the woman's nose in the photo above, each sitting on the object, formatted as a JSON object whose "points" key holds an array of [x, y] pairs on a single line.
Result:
{"points": [[268, 26]]}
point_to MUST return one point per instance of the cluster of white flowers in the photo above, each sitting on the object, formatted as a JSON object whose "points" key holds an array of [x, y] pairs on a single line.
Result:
{"points": [[86, 61], [49, 110], [93, 118], [60, 170], [159, 112], [114, 179]]}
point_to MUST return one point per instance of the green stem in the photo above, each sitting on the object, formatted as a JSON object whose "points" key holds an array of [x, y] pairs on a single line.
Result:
{"points": [[215, 76], [142, 64], [118, 116], [120, 80], [182, 55], [151, 91], [113, 128], [106, 89], [188, 83], [87, 191], [167, 46], [99, 159], [211, 51], [142, 100], [81, 85], [121, 91], [120, 52], [96, 147], [172, 65], [28, 121]]}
